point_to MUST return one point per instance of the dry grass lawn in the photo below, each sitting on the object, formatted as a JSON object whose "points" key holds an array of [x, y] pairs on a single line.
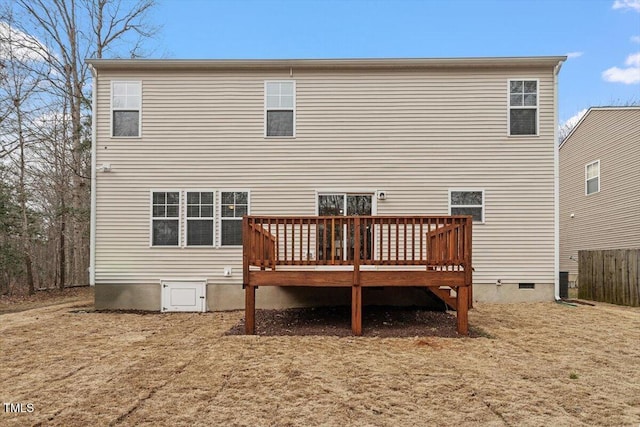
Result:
{"points": [[543, 364]]}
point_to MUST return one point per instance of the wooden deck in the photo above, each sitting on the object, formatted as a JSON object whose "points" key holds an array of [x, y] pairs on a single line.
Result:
{"points": [[357, 252]]}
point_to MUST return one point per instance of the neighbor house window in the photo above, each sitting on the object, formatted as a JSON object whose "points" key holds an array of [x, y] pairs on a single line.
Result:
{"points": [[199, 218], [280, 105], [165, 218], [467, 202], [126, 99], [523, 107], [592, 176], [234, 204]]}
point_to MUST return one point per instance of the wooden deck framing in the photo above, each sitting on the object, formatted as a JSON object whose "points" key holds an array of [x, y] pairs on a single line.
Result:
{"points": [[357, 252]]}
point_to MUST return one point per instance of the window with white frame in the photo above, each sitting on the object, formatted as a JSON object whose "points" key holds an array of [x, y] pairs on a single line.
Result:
{"points": [[592, 177], [467, 202], [199, 218], [234, 204], [126, 100], [280, 104], [523, 107], [165, 218]]}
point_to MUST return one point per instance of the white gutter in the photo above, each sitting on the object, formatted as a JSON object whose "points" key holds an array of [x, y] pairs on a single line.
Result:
{"points": [[92, 241], [556, 187]]}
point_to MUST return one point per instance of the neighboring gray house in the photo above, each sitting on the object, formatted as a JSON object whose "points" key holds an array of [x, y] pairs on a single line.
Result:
{"points": [[183, 148], [600, 184]]}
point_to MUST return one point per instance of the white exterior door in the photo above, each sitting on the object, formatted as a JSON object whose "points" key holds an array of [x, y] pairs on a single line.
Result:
{"points": [[184, 296]]}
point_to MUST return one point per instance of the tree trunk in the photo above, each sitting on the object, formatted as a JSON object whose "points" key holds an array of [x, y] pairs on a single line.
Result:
{"points": [[26, 247], [62, 260]]}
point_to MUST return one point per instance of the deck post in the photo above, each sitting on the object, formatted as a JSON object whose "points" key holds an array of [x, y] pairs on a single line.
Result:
{"points": [[462, 308], [249, 310], [356, 310], [249, 291], [356, 289], [468, 267]]}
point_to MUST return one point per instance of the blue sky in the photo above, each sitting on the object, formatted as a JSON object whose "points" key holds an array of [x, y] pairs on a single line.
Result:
{"points": [[598, 34]]}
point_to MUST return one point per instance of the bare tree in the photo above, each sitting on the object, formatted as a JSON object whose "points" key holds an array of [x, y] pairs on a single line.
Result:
{"points": [[20, 85], [74, 30]]}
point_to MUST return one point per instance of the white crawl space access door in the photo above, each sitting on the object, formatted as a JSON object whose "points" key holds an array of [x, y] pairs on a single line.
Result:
{"points": [[184, 295]]}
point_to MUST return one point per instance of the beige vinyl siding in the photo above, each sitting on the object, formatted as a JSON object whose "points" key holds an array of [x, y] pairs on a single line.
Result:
{"points": [[609, 219], [413, 133]]}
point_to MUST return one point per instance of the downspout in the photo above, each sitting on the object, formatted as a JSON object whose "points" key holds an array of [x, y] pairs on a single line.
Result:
{"points": [[92, 240], [556, 187]]}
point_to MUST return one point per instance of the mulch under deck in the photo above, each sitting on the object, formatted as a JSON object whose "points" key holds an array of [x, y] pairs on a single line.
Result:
{"points": [[378, 321]]}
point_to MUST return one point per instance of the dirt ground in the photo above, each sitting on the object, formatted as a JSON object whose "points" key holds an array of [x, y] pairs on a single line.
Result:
{"points": [[16, 303], [535, 364]]}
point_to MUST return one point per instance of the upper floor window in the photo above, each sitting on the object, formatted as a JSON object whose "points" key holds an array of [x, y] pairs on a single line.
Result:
{"points": [[523, 107], [280, 106], [165, 218], [467, 202], [126, 100], [235, 204], [592, 177]]}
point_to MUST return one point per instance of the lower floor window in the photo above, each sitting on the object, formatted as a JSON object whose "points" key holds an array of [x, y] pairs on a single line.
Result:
{"points": [[200, 218], [235, 204], [165, 212], [467, 202], [189, 218]]}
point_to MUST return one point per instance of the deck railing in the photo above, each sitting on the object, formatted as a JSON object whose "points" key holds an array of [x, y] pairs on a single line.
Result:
{"points": [[438, 242]]}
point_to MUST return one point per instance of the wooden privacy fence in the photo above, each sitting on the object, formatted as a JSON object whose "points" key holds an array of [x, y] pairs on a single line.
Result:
{"points": [[610, 276]]}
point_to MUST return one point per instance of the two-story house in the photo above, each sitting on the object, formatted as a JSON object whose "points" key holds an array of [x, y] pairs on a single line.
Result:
{"points": [[600, 184], [182, 149]]}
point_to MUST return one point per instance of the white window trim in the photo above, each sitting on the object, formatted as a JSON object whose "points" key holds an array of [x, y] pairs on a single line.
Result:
{"points": [[466, 190], [151, 218], [219, 222], [111, 110], [586, 179], [186, 218], [537, 106], [294, 108]]}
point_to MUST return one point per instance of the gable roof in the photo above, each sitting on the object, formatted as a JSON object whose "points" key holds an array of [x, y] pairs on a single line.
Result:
{"points": [[584, 116]]}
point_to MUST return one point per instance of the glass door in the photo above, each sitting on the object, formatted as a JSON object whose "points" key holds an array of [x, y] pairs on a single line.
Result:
{"points": [[360, 204], [334, 242]]}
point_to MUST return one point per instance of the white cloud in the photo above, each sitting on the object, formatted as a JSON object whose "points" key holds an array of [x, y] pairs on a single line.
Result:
{"points": [[20, 45], [629, 75], [567, 125], [627, 4], [635, 39], [574, 54]]}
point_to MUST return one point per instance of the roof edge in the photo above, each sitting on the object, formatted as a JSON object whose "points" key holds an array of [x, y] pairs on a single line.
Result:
{"points": [[611, 108], [111, 64]]}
